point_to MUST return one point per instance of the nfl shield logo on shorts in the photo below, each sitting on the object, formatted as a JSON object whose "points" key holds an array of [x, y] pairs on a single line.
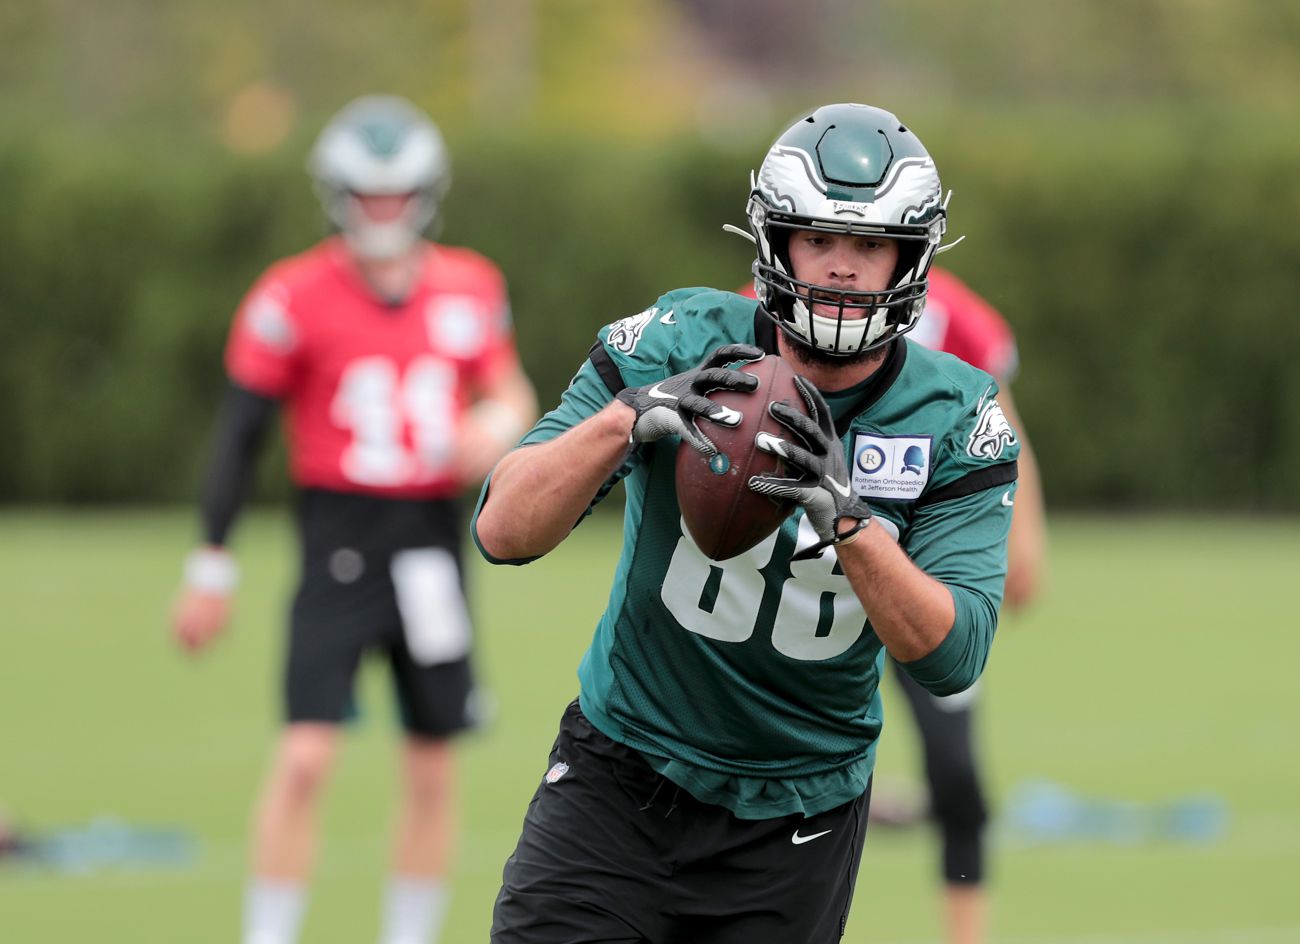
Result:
{"points": [[556, 772]]}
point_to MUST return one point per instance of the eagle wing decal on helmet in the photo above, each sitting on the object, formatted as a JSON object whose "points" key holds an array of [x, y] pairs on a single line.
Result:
{"points": [[916, 184], [786, 173]]}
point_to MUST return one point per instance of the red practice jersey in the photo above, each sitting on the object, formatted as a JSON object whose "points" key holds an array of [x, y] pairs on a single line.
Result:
{"points": [[375, 394], [959, 322]]}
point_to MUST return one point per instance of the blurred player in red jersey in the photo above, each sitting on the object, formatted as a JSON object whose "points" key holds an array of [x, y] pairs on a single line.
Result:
{"points": [[395, 362], [961, 323]]}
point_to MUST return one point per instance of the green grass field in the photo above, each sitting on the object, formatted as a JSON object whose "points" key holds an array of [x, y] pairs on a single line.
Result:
{"points": [[1162, 662]]}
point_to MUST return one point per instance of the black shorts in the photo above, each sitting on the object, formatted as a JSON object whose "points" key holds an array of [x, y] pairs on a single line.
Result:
{"points": [[952, 772], [381, 576], [612, 852]]}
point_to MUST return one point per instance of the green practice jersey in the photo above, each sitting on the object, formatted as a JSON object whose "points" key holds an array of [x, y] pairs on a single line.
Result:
{"points": [[752, 682]]}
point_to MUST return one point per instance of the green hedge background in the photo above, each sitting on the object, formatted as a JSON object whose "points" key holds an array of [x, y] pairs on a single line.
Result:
{"points": [[1148, 262]]}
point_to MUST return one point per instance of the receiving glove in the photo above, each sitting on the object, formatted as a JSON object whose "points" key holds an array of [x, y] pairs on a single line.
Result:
{"points": [[670, 407], [825, 489]]}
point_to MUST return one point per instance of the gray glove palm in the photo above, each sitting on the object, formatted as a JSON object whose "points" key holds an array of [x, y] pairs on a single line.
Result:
{"points": [[670, 407]]}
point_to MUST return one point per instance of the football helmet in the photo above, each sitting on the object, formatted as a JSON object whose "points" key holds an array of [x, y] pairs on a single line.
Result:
{"points": [[850, 169], [380, 144]]}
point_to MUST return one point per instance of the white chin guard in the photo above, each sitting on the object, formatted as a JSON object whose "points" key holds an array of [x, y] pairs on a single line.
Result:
{"points": [[854, 334]]}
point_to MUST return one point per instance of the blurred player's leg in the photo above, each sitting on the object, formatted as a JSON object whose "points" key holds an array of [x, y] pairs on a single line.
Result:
{"points": [[434, 682], [967, 913], [427, 814], [273, 911], [285, 833], [417, 897], [956, 802]]}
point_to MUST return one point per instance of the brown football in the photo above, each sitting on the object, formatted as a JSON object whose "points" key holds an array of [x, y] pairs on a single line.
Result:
{"points": [[723, 515]]}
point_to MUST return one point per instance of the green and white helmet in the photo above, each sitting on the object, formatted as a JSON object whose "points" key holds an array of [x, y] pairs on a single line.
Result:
{"points": [[846, 169], [380, 144]]}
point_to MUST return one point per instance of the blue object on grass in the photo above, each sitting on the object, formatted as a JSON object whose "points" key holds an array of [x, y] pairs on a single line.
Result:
{"points": [[108, 842], [1040, 812]]}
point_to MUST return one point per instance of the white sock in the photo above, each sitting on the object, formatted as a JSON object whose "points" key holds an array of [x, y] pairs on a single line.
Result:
{"points": [[273, 911], [413, 910]]}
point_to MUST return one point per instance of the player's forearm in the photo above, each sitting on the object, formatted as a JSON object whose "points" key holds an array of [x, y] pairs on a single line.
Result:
{"points": [[537, 493], [911, 612], [237, 438]]}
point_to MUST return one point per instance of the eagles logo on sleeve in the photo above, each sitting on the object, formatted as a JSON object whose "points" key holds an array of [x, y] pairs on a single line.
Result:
{"points": [[992, 433], [625, 335]]}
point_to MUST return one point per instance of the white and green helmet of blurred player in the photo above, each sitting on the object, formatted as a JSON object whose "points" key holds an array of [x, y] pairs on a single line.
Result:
{"points": [[380, 144], [851, 169]]}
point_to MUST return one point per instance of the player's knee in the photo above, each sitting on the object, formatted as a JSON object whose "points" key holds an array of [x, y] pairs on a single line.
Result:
{"points": [[304, 763], [958, 802], [429, 770], [961, 814], [963, 858], [427, 791], [301, 780]]}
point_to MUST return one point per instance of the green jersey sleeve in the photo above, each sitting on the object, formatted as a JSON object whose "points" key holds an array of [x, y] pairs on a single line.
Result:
{"points": [[630, 352], [962, 544], [958, 536], [673, 335]]}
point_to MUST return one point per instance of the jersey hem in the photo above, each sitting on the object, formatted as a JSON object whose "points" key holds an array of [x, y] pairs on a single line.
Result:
{"points": [[847, 782]]}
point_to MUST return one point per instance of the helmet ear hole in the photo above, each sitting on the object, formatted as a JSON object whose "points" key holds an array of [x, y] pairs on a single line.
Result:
{"points": [[778, 275], [781, 248], [909, 254]]}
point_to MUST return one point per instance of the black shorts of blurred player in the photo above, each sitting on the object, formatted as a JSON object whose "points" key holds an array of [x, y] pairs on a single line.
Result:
{"points": [[380, 576], [645, 842], [957, 803]]}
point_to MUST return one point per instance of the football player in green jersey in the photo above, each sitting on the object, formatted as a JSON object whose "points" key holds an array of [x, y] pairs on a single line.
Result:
{"points": [[711, 782]]}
